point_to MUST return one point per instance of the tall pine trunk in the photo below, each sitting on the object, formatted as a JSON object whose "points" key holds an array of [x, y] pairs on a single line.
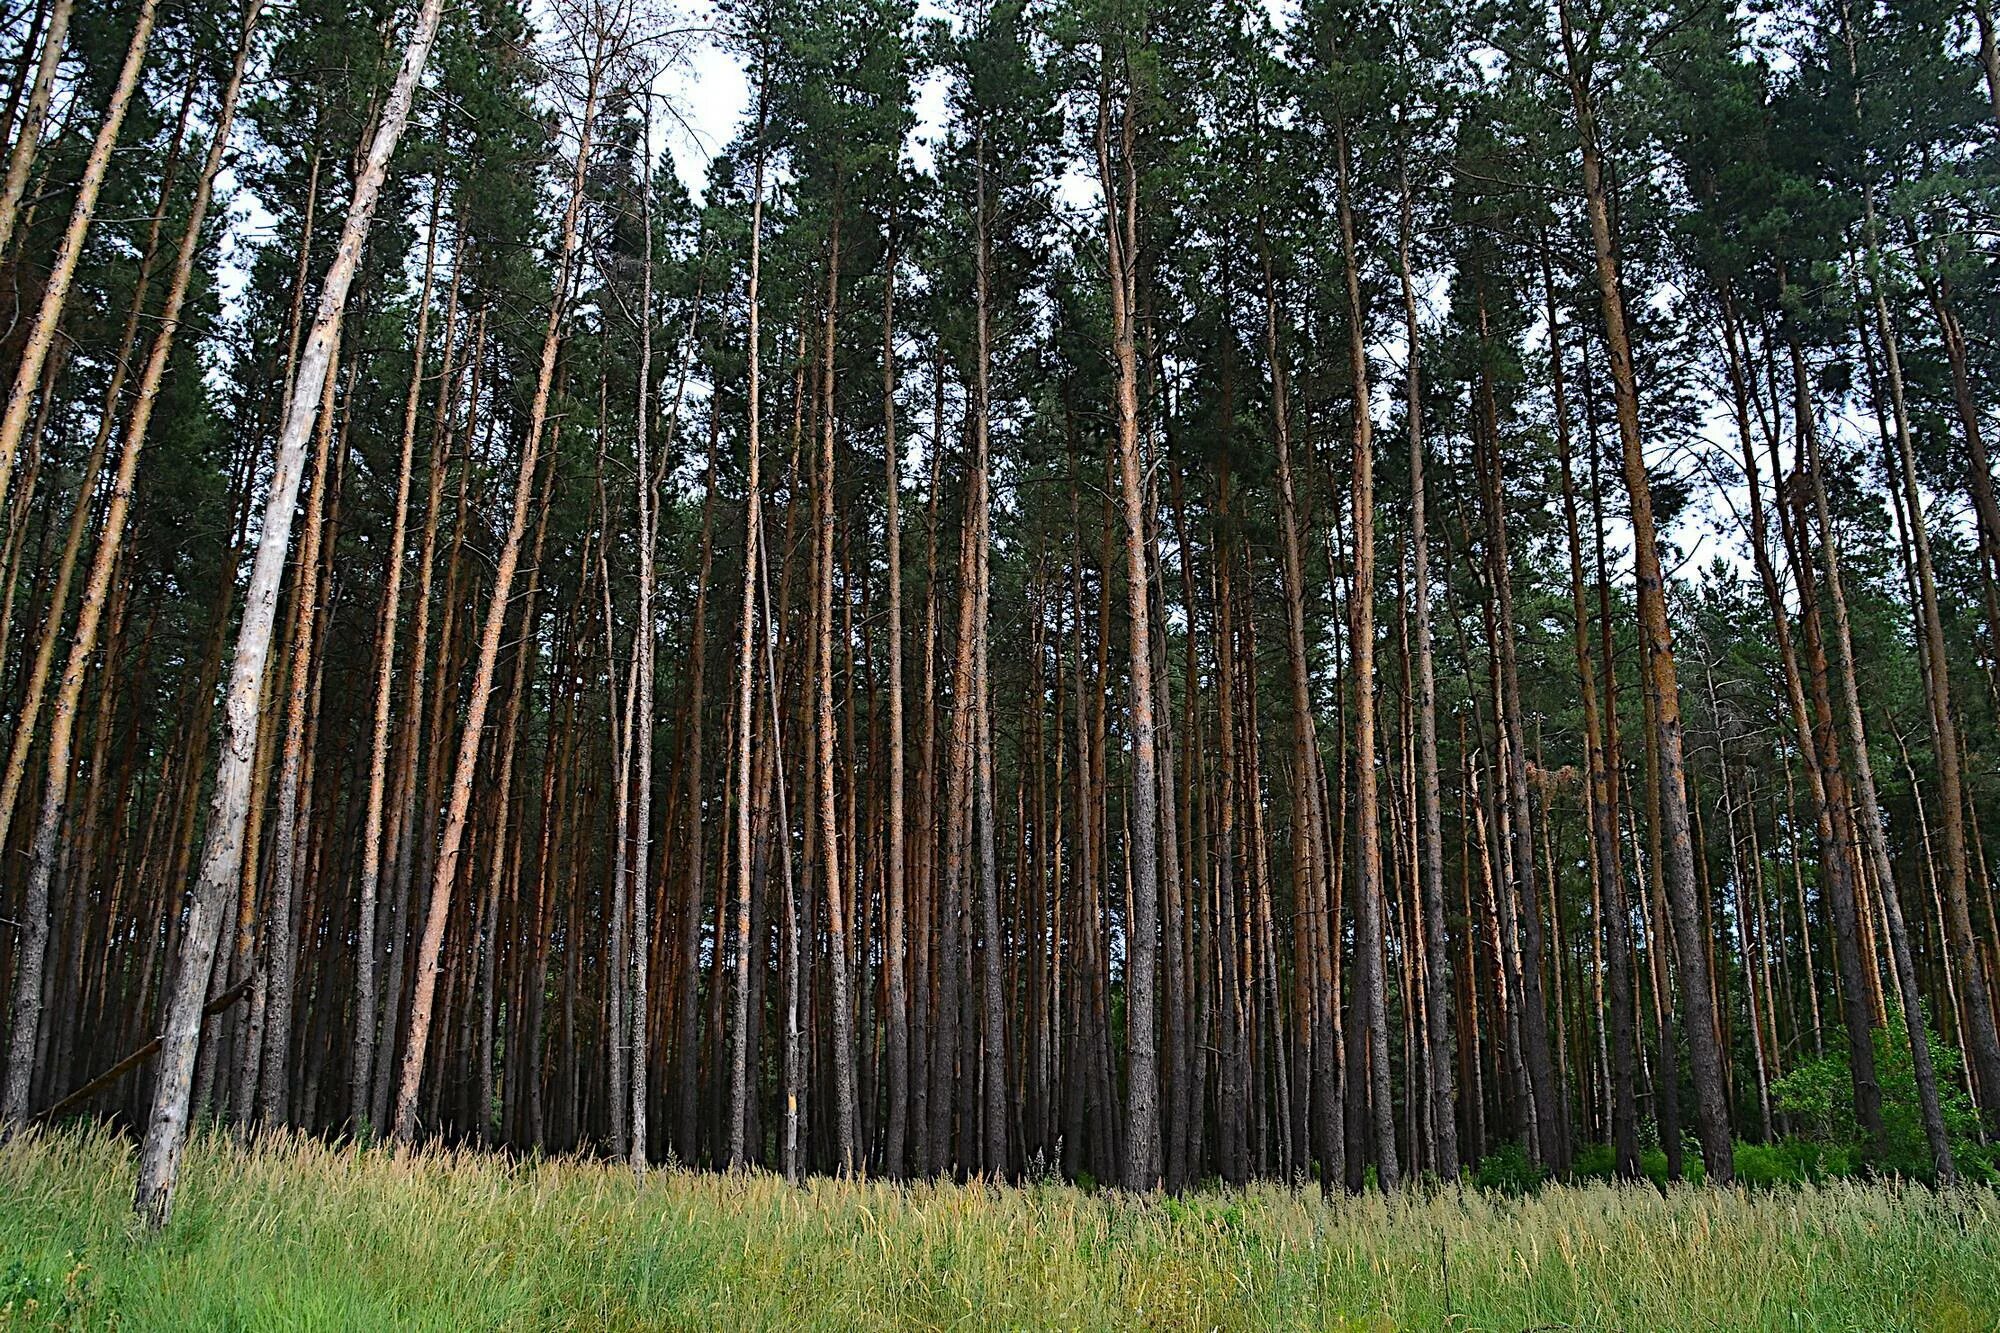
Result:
{"points": [[1118, 176], [459, 794], [1665, 737]]}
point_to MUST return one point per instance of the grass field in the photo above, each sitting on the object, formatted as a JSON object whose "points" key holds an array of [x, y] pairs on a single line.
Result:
{"points": [[299, 1235]]}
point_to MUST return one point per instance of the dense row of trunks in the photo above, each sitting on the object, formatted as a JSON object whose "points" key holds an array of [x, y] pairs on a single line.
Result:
{"points": [[838, 696]]}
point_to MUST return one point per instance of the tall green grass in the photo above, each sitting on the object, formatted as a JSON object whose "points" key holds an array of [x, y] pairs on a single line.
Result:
{"points": [[296, 1234]]}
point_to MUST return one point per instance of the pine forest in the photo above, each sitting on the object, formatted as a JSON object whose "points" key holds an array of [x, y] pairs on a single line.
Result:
{"points": [[1155, 594]]}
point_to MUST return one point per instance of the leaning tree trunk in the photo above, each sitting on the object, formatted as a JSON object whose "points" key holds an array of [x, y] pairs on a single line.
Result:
{"points": [[1704, 1047], [1983, 1042], [459, 799], [28, 711], [28, 139], [42, 855], [41, 334], [293, 760], [166, 1134], [1820, 746], [1868, 811]]}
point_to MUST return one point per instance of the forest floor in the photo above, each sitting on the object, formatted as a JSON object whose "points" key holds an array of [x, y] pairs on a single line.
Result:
{"points": [[299, 1235]]}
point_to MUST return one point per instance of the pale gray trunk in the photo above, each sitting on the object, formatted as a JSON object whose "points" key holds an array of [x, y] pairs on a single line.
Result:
{"points": [[642, 650], [166, 1133], [739, 1091]]}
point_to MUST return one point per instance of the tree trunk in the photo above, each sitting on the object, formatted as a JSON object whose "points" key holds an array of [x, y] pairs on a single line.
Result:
{"points": [[97, 585], [897, 1036], [1141, 1166], [62, 271], [1615, 919], [459, 799], [1552, 1149], [1712, 1108], [647, 488], [993, 1081], [829, 824], [1370, 989], [28, 139], [166, 1133], [739, 1072], [1438, 987], [385, 672], [1981, 1037]]}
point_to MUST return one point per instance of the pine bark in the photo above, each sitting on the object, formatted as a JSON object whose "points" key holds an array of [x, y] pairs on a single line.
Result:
{"points": [[1712, 1108], [1438, 982], [459, 794], [1118, 175], [1616, 914], [1370, 1009], [28, 137], [896, 1037], [41, 334]]}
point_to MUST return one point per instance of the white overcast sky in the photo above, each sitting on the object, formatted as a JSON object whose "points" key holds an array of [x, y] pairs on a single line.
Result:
{"points": [[710, 95]]}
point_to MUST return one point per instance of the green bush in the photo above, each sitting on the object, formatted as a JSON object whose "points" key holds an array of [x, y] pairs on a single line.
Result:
{"points": [[1826, 1145], [1508, 1171], [1818, 1097], [1596, 1162], [1792, 1162]]}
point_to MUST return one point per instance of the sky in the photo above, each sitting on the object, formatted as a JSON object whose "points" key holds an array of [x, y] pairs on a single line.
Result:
{"points": [[709, 94]]}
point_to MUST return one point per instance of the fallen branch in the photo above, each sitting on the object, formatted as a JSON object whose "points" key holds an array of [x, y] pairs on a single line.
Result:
{"points": [[140, 1056]]}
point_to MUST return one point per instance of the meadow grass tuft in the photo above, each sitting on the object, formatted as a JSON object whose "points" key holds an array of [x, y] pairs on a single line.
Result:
{"points": [[293, 1233]]}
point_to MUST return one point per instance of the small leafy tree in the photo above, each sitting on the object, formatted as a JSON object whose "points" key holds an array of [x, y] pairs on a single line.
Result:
{"points": [[1817, 1097]]}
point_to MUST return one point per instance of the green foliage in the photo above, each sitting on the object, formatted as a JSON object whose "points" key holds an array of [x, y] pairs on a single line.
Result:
{"points": [[1509, 1172], [1818, 1096], [1786, 1162], [1792, 1162], [1598, 1162]]}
